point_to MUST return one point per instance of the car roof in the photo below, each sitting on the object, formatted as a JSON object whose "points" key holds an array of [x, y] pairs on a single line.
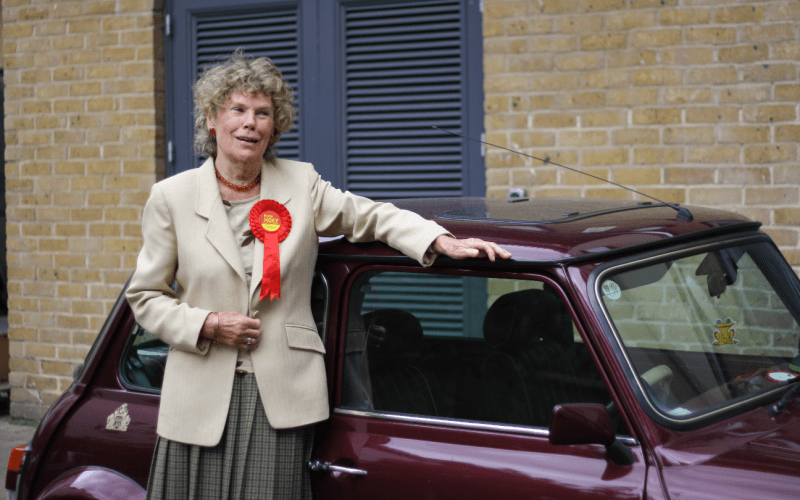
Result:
{"points": [[557, 229]]}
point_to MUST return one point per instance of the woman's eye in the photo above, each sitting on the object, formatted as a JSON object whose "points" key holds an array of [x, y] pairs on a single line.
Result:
{"points": [[267, 114]]}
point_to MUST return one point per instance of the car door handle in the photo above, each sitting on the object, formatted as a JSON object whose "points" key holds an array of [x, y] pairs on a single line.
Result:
{"points": [[316, 465]]}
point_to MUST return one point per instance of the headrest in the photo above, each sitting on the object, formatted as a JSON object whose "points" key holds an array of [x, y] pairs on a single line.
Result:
{"points": [[391, 334], [517, 319]]}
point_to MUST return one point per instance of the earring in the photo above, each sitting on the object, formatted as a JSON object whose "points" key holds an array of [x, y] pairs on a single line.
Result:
{"points": [[213, 132]]}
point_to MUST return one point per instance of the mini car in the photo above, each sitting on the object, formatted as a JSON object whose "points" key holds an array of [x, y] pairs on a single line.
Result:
{"points": [[628, 350]]}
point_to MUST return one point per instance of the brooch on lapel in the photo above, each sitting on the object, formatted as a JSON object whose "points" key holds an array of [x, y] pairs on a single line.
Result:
{"points": [[271, 223]]}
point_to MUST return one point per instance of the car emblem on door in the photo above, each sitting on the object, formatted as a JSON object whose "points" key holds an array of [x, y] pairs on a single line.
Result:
{"points": [[119, 420]]}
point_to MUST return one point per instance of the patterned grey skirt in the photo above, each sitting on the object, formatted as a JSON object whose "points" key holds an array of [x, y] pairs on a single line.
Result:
{"points": [[253, 461]]}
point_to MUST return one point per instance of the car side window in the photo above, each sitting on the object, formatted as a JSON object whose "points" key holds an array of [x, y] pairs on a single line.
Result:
{"points": [[517, 353], [144, 359]]}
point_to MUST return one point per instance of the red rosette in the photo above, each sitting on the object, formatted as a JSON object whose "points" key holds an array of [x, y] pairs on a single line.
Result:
{"points": [[270, 223]]}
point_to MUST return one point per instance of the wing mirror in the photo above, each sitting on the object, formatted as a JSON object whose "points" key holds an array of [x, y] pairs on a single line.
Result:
{"points": [[584, 423]]}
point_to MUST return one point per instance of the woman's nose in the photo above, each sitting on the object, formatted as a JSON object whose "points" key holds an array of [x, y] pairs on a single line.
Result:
{"points": [[250, 119]]}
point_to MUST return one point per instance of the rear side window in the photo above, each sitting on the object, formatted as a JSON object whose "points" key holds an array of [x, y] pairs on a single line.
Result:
{"points": [[144, 360], [513, 356]]}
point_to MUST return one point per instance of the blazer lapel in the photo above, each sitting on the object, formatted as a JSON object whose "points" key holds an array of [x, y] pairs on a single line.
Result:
{"points": [[273, 187], [218, 230]]}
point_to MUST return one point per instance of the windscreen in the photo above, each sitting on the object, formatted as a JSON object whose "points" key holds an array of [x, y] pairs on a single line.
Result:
{"points": [[707, 330]]}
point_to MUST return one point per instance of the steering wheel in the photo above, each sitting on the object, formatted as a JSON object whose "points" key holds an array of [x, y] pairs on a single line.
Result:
{"points": [[658, 382]]}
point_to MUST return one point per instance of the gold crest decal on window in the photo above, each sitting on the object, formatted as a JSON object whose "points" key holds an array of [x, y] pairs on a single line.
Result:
{"points": [[724, 333], [119, 420]]}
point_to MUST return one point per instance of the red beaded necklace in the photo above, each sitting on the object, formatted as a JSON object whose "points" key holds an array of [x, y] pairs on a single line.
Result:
{"points": [[241, 189]]}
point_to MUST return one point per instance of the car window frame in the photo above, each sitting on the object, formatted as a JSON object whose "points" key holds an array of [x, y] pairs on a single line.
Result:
{"points": [[599, 274], [502, 273]]}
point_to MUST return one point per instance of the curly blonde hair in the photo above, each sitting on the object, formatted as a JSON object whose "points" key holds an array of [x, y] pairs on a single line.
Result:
{"points": [[236, 74]]}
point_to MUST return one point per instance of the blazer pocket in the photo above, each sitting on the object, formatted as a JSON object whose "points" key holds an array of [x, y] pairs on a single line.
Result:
{"points": [[304, 337]]}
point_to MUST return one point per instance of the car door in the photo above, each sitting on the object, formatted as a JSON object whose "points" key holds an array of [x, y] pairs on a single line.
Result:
{"points": [[450, 396]]}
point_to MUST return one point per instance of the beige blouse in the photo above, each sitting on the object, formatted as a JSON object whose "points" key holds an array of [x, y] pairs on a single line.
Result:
{"points": [[239, 219]]}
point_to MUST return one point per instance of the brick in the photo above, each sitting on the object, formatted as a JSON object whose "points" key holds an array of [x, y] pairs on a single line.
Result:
{"points": [[712, 115], [604, 5], [554, 7], [772, 196], [740, 14], [742, 134], [713, 35], [554, 120], [769, 72], [635, 136], [625, 58], [786, 50], [688, 135], [712, 75], [714, 196], [657, 76], [691, 176], [604, 118], [532, 139], [612, 156], [686, 95], [769, 153], [606, 78], [579, 179], [579, 62], [629, 20], [712, 154], [787, 133], [789, 216], [631, 97], [498, 10], [608, 41], [767, 32], [552, 43], [655, 38], [586, 138], [660, 116], [506, 83], [790, 92], [681, 17], [657, 155], [636, 176], [579, 99], [769, 113], [745, 94], [91, 25], [745, 176], [743, 53], [578, 24], [687, 56]]}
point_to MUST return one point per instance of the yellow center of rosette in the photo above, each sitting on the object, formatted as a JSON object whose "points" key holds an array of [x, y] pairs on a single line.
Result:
{"points": [[270, 221]]}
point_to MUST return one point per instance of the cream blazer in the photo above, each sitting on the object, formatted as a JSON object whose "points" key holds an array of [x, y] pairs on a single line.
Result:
{"points": [[188, 241]]}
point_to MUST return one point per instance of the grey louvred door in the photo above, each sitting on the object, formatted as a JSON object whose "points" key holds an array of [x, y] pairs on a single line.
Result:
{"points": [[404, 73]]}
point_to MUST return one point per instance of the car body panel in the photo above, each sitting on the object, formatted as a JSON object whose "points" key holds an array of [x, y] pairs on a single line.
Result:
{"points": [[92, 483]]}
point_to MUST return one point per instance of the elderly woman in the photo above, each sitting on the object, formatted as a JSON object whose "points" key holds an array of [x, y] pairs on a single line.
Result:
{"points": [[224, 278]]}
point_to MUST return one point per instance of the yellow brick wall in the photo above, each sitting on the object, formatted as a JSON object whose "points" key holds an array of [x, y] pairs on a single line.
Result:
{"points": [[84, 134], [692, 101]]}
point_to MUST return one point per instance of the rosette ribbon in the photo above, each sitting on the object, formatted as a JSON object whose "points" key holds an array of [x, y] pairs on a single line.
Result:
{"points": [[270, 223]]}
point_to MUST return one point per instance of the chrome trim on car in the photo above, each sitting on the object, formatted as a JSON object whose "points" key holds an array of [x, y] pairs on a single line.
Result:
{"points": [[660, 258], [463, 424]]}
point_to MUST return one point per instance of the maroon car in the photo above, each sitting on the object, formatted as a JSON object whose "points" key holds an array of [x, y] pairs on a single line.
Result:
{"points": [[627, 351]]}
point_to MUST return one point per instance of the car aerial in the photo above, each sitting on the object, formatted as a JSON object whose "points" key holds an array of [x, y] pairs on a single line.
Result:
{"points": [[628, 350]]}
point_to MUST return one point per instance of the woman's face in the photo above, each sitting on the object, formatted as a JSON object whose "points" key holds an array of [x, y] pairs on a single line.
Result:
{"points": [[244, 127]]}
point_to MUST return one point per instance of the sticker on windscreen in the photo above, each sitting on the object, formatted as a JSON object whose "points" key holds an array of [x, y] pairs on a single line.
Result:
{"points": [[724, 332], [781, 376], [611, 290]]}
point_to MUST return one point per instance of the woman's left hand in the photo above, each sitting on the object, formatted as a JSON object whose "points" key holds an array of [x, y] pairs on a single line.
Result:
{"points": [[468, 248]]}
